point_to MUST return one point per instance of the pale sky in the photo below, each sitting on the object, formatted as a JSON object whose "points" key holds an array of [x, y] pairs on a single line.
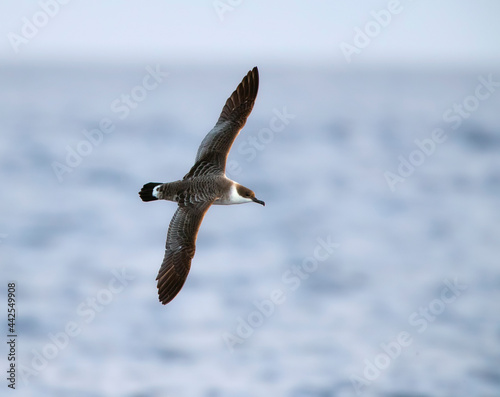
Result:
{"points": [[416, 31]]}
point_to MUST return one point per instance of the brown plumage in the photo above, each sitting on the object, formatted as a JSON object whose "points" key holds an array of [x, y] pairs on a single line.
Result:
{"points": [[205, 184], [216, 145]]}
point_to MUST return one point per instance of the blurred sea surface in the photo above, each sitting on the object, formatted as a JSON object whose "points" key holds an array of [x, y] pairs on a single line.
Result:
{"points": [[339, 286]]}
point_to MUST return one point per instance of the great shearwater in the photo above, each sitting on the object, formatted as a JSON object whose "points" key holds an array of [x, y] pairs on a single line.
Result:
{"points": [[205, 184]]}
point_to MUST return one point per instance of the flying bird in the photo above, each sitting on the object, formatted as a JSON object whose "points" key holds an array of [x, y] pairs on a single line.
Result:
{"points": [[205, 184]]}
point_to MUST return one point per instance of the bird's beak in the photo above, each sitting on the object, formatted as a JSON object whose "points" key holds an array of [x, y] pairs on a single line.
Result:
{"points": [[256, 200]]}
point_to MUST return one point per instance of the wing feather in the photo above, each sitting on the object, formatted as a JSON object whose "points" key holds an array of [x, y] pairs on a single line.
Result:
{"points": [[217, 143], [179, 249]]}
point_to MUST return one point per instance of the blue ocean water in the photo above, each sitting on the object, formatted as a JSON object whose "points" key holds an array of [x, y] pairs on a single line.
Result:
{"points": [[373, 269]]}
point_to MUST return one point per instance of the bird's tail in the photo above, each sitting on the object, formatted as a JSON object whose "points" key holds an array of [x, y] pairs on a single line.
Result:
{"points": [[146, 192]]}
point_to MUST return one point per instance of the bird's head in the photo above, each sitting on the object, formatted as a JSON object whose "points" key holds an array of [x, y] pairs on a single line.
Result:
{"points": [[247, 195]]}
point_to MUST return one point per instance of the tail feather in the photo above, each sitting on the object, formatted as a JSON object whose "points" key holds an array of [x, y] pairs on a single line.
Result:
{"points": [[146, 192]]}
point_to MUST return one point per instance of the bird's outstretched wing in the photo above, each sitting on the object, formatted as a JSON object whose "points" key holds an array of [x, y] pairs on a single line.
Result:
{"points": [[179, 249], [214, 148]]}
